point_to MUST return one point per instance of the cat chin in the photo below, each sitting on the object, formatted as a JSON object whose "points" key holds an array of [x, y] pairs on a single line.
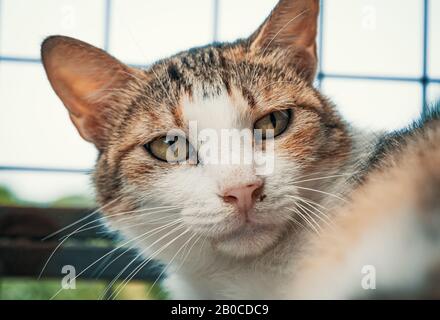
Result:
{"points": [[249, 241]]}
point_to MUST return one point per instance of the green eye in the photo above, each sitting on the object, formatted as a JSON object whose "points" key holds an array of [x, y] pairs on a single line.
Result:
{"points": [[171, 149], [278, 121]]}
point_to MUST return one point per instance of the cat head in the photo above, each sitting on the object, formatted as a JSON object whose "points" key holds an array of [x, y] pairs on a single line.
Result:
{"points": [[160, 130]]}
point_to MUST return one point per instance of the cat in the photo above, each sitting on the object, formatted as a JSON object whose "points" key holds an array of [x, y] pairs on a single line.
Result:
{"points": [[338, 199]]}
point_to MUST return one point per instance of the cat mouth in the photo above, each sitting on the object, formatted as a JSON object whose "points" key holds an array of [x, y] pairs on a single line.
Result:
{"points": [[246, 231], [249, 239]]}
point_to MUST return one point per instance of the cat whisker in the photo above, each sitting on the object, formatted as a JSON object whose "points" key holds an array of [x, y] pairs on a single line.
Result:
{"points": [[105, 255], [189, 250], [175, 224], [205, 238], [82, 219], [172, 259], [309, 215], [319, 173], [322, 192], [325, 220], [297, 223], [80, 229], [325, 177], [62, 242], [303, 216], [314, 205], [150, 258], [146, 212], [308, 201], [106, 217], [159, 221], [123, 219]]}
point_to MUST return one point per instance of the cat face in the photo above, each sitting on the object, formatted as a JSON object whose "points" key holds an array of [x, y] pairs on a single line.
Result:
{"points": [[161, 132]]}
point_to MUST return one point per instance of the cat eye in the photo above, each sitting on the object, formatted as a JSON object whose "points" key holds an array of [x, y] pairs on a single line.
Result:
{"points": [[172, 149], [278, 121]]}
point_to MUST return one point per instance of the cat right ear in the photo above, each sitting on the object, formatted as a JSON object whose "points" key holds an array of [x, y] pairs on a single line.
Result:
{"points": [[292, 25], [85, 77]]}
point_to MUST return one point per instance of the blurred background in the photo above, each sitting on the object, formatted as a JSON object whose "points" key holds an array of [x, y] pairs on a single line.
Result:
{"points": [[379, 62]]}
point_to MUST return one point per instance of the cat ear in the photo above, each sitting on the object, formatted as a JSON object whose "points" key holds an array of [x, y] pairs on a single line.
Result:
{"points": [[291, 25], [84, 78]]}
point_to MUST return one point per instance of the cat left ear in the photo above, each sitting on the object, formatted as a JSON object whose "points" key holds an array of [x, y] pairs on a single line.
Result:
{"points": [[85, 78], [291, 25]]}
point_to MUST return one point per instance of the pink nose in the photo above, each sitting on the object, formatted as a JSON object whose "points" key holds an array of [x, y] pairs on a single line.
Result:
{"points": [[244, 197]]}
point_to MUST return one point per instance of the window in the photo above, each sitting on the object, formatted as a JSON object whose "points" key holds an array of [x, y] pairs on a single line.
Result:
{"points": [[378, 62]]}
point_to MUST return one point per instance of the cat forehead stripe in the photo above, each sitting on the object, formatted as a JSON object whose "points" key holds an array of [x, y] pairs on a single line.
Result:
{"points": [[221, 111]]}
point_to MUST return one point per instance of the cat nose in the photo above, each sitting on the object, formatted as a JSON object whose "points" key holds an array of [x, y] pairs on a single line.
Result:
{"points": [[244, 197]]}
